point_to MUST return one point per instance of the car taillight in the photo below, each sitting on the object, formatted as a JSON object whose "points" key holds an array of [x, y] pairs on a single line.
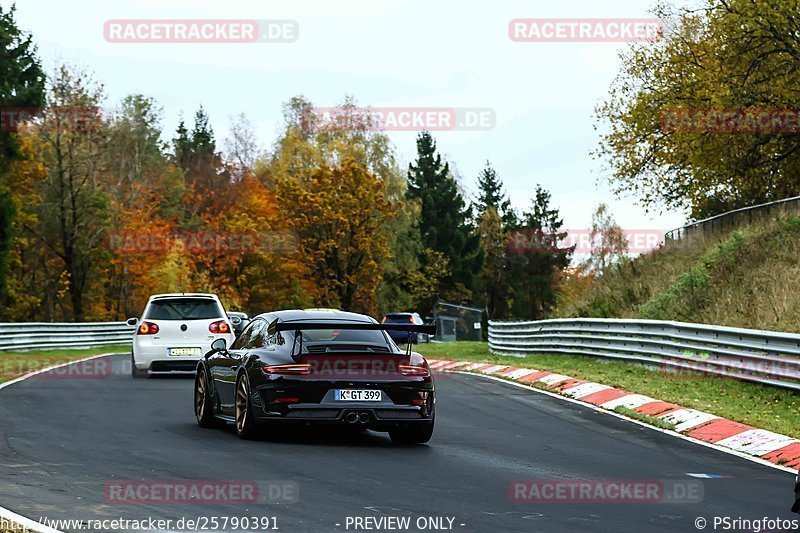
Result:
{"points": [[292, 369], [413, 370], [219, 327], [147, 328]]}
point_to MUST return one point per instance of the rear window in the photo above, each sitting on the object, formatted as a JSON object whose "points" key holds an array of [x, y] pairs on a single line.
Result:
{"points": [[184, 309], [344, 335], [397, 319]]}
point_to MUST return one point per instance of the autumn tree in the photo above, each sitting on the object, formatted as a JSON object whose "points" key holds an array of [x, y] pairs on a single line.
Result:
{"points": [[309, 143], [719, 55], [241, 147], [608, 241], [74, 211], [495, 274], [205, 173], [337, 214]]}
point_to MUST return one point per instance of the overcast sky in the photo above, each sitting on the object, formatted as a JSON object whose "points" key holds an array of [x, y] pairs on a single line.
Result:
{"points": [[385, 53]]}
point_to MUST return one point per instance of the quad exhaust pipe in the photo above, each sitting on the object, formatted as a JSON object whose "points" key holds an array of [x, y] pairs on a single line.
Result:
{"points": [[354, 417]]}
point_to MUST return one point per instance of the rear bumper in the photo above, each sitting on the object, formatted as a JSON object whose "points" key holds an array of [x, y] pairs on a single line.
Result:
{"points": [[366, 417], [153, 357], [395, 408]]}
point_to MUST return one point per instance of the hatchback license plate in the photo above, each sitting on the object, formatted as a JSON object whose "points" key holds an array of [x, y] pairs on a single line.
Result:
{"points": [[184, 351], [352, 395]]}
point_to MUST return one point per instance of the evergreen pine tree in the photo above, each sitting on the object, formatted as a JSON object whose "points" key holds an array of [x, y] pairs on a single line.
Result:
{"points": [[444, 220], [491, 194]]}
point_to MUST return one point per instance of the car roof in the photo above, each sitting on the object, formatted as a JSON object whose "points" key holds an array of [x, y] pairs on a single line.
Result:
{"points": [[300, 315]]}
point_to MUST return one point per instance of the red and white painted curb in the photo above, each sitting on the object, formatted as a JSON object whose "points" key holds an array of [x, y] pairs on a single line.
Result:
{"points": [[740, 438]]}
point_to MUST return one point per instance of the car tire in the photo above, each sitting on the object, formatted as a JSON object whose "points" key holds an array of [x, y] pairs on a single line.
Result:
{"points": [[244, 419], [135, 372], [414, 434], [203, 405]]}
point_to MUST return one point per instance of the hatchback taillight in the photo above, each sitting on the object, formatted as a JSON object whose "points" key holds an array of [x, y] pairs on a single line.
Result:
{"points": [[147, 328], [219, 327]]}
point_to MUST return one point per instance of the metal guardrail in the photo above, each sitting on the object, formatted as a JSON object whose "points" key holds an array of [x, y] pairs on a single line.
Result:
{"points": [[733, 219], [23, 336], [752, 355]]}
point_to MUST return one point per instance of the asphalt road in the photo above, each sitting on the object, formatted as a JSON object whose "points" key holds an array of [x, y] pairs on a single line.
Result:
{"points": [[63, 440]]}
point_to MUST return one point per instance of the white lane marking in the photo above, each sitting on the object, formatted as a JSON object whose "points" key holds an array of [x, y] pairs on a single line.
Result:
{"points": [[687, 438], [53, 367], [757, 441], [585, 389], [552, 379], [684, 419], [631, 401]]}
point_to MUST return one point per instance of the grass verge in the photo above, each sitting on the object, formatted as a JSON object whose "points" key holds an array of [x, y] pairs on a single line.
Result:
{"points": [[15, 364], [760, 406]]}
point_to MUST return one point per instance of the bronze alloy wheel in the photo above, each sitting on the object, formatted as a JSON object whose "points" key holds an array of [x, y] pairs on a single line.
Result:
{"points": [[245, 424], [200, 391]]}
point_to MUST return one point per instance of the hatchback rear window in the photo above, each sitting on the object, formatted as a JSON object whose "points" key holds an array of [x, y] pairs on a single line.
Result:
{"points": [[398, 319], [184, 309]]}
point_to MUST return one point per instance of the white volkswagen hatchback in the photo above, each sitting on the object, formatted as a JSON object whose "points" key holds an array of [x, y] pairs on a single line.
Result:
{"points": [[175, 331]]}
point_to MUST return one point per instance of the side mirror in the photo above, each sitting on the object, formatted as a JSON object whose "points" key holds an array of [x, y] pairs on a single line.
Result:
{"points": [[132, 321], [219, 345], [235, 320]]}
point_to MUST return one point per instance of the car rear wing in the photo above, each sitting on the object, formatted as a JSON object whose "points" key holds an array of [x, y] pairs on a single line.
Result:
{"points": [[275, 326]]}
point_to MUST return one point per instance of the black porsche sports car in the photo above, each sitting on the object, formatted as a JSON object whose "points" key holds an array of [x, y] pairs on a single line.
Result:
{"points": [[318, 366]]}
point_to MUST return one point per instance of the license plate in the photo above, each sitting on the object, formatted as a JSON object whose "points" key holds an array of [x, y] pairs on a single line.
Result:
{"points": [[351, 395], [184, 351]]}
